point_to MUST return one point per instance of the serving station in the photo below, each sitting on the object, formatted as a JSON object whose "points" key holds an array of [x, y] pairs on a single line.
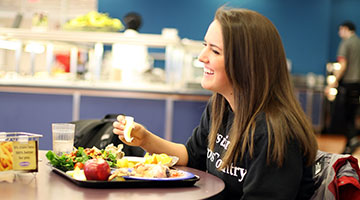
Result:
{"points": [[38, 88]]}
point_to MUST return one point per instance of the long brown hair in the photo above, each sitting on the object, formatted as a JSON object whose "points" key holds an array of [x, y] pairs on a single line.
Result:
{"points": [[255, 64]]}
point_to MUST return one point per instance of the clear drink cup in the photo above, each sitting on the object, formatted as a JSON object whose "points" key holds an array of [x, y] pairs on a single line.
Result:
{"points": [[63, 137]]}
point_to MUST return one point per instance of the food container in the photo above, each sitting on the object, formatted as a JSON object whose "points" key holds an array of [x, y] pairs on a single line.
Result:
{"points": [[19, 151]]}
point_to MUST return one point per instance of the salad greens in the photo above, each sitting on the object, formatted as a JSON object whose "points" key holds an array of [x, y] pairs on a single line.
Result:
{"points": [[66, 162], [81, 156], [109, 157]]}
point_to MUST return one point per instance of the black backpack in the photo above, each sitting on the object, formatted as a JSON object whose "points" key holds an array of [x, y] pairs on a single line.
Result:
{"points": [[99, 133]]}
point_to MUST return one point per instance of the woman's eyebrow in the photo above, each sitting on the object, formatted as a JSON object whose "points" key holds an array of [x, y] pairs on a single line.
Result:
{"points": [[213, 45]]}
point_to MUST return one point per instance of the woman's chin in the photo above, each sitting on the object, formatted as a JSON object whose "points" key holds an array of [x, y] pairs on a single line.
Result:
{"points": [[203, 85], [206, 87]]}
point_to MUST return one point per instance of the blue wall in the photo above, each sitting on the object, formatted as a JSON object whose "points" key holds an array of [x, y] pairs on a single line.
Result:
{"points": [[308, 28], [34, 113], [148, 112]]}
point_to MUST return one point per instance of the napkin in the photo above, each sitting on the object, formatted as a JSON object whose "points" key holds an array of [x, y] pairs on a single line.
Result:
{"points": [[7, 177]]}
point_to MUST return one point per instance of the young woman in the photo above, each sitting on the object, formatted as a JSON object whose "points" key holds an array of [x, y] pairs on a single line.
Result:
{"points": [[253, 133]]}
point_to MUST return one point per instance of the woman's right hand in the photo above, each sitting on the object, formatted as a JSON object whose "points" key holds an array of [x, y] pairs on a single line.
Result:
{"points": [[138, 132]]}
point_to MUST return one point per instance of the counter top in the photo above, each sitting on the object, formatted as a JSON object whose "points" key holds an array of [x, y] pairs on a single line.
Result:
{"points": [[100, 88], [101, 85]]}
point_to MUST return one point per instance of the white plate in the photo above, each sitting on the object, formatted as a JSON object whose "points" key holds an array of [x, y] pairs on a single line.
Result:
{"points": [[187, 175], [134, 158]]}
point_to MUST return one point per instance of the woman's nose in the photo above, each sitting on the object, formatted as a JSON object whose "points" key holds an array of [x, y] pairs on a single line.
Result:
{"points": [[202, 56]]}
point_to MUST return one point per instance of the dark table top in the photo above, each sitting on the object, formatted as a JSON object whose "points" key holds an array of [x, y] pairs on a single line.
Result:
{"points": [[48, 185]]}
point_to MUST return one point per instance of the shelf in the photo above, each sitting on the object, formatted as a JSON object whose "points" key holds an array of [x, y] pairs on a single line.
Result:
{"points": [[150, 40], [178, 56]]}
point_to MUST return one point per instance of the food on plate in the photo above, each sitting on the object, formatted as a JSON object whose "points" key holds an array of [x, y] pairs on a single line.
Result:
{"points": [[130, 162], [94, 164], [125, 163], [151, 170], [67, 162], [128, 128], [97, 169], [117, 151], [118, 174], [147, 171], [79, 165], [160, 158], [77, 174]]}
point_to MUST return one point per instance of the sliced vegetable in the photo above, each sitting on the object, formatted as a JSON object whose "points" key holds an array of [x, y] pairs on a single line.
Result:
{"points": [[80, 165]]}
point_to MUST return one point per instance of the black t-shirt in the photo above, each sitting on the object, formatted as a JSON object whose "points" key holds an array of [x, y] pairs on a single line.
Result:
{"points": [[250, 178]]}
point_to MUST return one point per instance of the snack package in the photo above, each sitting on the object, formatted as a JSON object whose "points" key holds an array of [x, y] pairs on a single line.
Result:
{"points": [[19, 151]]}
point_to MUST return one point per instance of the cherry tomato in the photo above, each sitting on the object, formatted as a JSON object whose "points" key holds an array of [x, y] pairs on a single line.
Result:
{"points": [[80, 165]]}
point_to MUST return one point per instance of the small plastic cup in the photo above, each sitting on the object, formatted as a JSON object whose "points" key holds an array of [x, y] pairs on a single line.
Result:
{"points": [[63, 138]]}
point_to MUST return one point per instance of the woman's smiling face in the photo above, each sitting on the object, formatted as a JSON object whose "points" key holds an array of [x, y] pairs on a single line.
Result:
{"points": [[212, 55]]}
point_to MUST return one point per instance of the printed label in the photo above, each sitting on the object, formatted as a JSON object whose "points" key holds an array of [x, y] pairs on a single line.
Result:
{"points": [[24, 155]]}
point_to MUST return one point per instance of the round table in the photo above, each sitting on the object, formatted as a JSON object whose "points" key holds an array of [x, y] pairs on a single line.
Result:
{"points": [[48, 185]]}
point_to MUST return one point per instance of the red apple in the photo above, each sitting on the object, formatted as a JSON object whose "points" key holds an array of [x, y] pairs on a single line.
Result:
{"points": [[97, 169]]}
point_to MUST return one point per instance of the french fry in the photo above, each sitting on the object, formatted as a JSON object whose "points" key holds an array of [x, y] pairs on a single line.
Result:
{"points": [[6, 160]]}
